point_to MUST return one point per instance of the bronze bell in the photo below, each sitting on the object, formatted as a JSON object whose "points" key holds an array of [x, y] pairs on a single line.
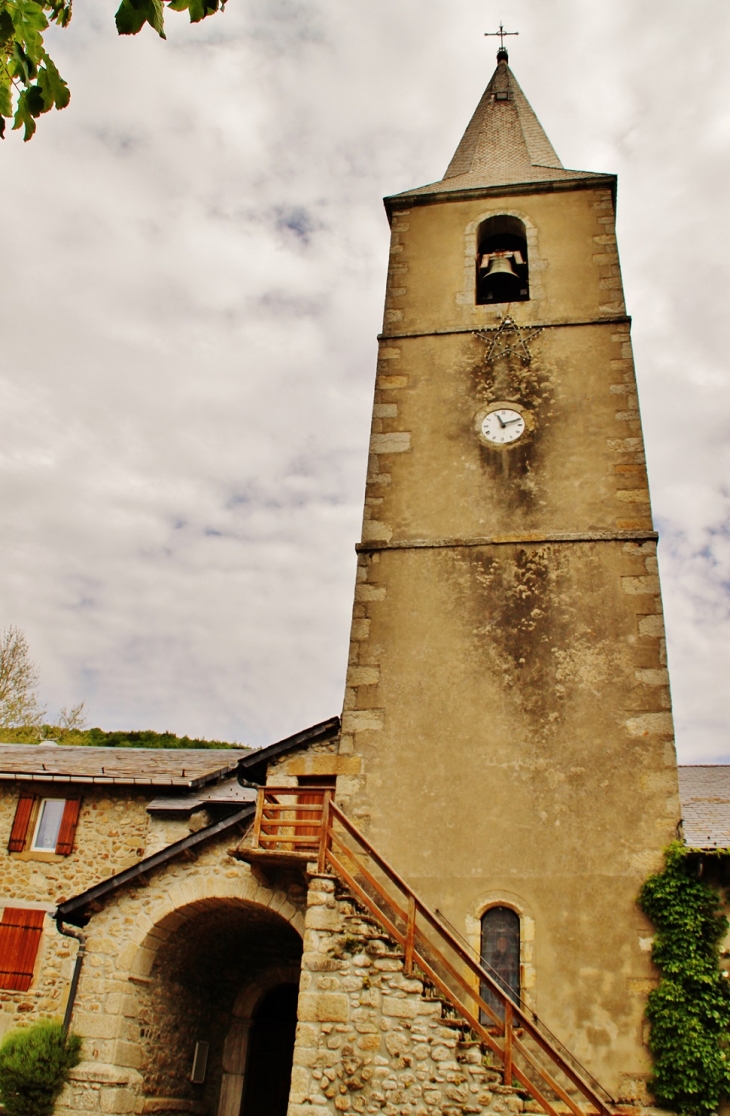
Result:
{"points": [[500, 265]]}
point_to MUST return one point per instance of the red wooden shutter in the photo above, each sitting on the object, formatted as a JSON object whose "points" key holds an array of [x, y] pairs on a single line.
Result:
{"points": [[67, 832], [19, 832], [20, 935]]}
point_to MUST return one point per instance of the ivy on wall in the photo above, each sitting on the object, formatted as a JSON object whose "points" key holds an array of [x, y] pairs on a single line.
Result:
{"points": [[689, 1011]]}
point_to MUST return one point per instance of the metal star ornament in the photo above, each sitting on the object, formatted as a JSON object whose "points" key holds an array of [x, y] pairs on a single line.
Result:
{"points": [[508, 339]]}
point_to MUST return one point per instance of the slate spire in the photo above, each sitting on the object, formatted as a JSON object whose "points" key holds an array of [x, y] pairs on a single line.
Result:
{"points": [[504, 142]]}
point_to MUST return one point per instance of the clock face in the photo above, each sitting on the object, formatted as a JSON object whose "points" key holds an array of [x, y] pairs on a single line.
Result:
{"points": [[502, 426]]}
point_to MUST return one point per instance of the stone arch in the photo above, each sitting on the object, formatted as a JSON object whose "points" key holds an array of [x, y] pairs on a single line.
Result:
{"points": [[236, 1045], [515, 902], [465, 296], [119, 987], [199, 973], [171, 908]]}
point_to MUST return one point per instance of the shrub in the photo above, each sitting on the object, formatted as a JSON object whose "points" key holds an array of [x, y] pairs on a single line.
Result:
{"points": [[34, 1066]]}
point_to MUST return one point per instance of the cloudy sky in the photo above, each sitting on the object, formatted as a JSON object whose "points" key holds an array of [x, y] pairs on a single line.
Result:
{"points": [[194, 266]]}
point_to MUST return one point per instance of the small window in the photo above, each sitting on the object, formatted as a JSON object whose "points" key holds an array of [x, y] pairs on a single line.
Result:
{"points": [[502, 267], [48, 826], [44, 825], [500, 954]]}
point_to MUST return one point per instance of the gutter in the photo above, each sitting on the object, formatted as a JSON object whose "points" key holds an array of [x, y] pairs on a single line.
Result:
{"points": [[77, 910], [252, 768], [80, 954], [188, 783]]}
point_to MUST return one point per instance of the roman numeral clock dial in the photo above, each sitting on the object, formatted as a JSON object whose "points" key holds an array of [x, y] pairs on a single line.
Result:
{"points": [[502, 424]]}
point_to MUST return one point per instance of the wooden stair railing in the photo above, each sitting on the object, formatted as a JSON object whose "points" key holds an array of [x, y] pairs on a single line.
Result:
{"points": [[286, 828]]}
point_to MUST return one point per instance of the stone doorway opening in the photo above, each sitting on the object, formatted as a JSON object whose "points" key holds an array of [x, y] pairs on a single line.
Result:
{"points": [[224, 982], [270, 1053]]}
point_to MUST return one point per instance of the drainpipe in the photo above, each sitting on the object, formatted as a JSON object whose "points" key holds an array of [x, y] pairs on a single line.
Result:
{"points": [[68, 932]]}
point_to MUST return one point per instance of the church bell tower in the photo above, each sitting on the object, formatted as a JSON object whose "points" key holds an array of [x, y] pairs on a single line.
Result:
{"points": [[507, 692]]}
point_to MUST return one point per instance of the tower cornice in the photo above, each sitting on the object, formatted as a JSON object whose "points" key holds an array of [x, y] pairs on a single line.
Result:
{"points": [[583, 181], [563, 323]]}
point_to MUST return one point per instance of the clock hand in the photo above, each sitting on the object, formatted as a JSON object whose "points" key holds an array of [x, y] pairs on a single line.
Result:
{"points": [[499, 420], [507, 423]]}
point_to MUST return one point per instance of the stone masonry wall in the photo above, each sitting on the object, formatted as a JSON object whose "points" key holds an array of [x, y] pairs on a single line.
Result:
{"points": [[111, 835], [370, 1039], [129, 1057]]}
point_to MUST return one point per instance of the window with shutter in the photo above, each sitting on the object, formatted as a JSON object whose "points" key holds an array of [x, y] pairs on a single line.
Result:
{"points": [[20, 936], [21, 822], [48, 825], [67, 831]]}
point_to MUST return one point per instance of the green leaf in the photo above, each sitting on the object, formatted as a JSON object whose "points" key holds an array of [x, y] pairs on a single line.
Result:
{"points": [[128, 19], [132, 15], [22, 65], [7, 28], [24, 116], [6, 99], [54, 88], [61, 11], [198, 9], [29, 22]]}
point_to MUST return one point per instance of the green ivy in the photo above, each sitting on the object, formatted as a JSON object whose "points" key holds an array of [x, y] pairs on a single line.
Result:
{"points": [[689, 1011]]}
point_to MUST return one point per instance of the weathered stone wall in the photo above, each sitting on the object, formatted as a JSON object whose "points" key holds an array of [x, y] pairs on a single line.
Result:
{"points": [[112, 834], [507, 693], [323, 758], [148, 988], [371, 1039], [47, 995]]}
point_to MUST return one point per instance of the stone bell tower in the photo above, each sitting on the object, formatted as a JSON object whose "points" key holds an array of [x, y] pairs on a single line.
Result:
{"points": [[507, 692]]}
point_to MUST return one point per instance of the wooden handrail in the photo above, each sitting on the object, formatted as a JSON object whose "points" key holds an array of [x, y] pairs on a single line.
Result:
{"points": [[426, 941]]}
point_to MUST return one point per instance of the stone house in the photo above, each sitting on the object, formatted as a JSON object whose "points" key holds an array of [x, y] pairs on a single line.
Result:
{"points": [[429, 906], [182, 946], [72, 817]]}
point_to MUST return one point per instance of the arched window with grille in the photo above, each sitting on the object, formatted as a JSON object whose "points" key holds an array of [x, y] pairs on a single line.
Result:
{"points": [[500, 953], [502, 266]]}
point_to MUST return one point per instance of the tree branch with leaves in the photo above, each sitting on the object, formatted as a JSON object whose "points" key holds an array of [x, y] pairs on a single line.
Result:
{"points": [[30, 83], [19, 704]]}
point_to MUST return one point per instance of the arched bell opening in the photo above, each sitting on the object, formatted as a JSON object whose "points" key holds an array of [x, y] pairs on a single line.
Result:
{"points": [[502, 267], [197, 1009]]}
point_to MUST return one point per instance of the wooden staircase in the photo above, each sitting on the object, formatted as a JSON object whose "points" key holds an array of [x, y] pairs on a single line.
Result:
{"points": [[302, 825]]}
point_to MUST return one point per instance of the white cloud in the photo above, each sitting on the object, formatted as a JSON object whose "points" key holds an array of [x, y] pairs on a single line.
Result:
{"points": [[194, 262]]}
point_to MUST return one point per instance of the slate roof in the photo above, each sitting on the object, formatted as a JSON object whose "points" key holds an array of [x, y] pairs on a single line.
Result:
{"points": [[252, 768], [78, 910], [149, 767], [226, 793], [504, 144], [704, 792]]}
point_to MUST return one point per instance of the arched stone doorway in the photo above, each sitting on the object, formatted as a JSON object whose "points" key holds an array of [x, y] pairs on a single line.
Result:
{"points": [[270, 1053], [210, 977], [251, 1025]]}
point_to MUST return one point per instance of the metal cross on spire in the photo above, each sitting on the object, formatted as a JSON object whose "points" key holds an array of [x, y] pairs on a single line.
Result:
{"points": [[502, 34]]}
